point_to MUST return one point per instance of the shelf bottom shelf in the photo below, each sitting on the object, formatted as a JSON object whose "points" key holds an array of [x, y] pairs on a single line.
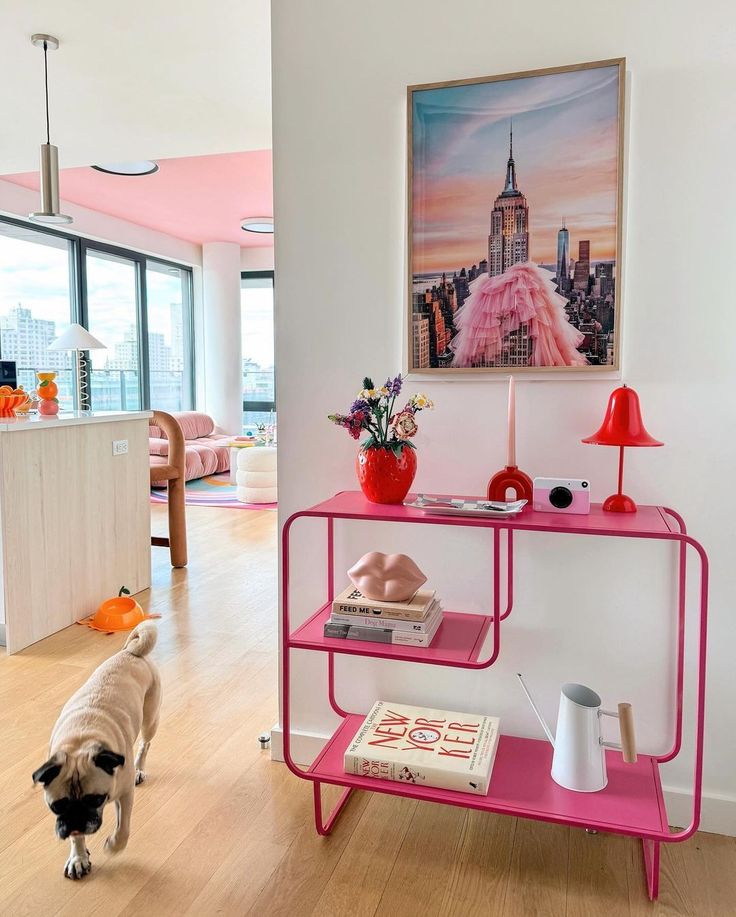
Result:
{"points": [[521, 785]]}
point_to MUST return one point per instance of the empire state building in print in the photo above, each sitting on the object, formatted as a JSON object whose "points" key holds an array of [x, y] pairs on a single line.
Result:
{"points": [[508, 241]]}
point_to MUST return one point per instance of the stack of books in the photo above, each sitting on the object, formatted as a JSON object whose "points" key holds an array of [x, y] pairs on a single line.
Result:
{"points": [[411, 623], [420, 746]]}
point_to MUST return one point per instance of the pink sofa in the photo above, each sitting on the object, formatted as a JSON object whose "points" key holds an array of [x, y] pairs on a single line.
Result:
{"points": [[206, 451]]}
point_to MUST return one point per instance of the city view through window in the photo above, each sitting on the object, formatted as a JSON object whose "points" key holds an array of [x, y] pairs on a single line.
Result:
{"points": [[259, 386], [38, 298]]}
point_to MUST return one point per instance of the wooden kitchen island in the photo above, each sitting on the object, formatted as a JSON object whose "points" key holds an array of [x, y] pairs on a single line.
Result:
{"points": [[74, 518]]}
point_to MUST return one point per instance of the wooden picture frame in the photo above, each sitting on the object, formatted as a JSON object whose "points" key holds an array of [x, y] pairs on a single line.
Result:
{"points": [[563, 129]]}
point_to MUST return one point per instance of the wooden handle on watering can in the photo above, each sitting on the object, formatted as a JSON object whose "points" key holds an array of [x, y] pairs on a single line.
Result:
{"points": [[626, 725]]}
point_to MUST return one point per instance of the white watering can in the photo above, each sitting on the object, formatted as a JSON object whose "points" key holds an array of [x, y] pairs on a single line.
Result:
{"points": [[579, 760]]}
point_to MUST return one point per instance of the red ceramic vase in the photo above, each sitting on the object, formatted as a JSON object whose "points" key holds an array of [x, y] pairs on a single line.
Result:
{"points": [[384, 477]]}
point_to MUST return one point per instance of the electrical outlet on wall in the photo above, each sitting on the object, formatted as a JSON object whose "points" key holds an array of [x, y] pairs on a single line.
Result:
{"points": [[119, 446]]}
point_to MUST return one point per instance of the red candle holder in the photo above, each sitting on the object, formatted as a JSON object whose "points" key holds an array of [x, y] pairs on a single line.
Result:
{"points": [[510, 478]]}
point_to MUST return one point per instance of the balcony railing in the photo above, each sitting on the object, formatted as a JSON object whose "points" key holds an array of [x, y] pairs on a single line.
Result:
{"points": [[116, 389], [119, 390]]}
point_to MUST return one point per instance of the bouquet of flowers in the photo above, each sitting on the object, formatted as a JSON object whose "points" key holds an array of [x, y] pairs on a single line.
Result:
{"points": [[374, 411]]}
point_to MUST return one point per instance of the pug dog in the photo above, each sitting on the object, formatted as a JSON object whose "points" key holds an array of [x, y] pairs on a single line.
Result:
{"points": [[91, 748]]}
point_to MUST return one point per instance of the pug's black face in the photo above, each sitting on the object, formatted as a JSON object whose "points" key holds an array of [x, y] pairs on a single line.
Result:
{"points": [[77, 788], [82, 815]]}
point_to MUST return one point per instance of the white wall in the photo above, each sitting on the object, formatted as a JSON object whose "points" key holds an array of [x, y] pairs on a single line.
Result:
{"points": [[223, 358], [256, 259], [599, 612]]}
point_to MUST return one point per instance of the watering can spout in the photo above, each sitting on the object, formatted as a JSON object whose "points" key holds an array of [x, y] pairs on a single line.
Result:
{"points": [[547, 730]]}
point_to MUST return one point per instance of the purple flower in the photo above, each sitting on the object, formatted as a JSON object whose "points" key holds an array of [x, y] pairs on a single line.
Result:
{"points": [[394, 386], [360, 405]]}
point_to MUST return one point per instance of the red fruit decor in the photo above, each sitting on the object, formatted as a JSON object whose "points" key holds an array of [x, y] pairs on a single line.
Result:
{"points": [[384, 476], [387, 461]]}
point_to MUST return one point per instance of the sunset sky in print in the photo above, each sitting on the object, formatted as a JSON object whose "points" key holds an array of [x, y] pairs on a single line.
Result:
{"points": [[565, 150]]}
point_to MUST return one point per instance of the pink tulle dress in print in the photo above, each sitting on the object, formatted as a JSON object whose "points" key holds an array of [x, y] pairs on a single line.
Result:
{"points": [[499, 305]]}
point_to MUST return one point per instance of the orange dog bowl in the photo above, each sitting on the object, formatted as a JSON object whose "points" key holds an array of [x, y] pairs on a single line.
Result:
{"points": [[120, 613]]}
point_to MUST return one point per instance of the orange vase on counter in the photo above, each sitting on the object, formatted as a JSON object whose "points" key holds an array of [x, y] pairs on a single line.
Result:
{"points": [[47, 390]]}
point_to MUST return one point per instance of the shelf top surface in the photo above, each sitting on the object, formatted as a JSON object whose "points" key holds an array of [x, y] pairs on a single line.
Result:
{"points": [[648, 521], [458, 641], [521, 785]]}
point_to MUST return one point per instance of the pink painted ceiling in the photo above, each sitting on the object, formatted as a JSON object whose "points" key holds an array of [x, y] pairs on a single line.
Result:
{"points": [[196, 198]]}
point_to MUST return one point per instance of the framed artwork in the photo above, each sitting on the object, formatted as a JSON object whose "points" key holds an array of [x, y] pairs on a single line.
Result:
{"points": [[515, 203]]}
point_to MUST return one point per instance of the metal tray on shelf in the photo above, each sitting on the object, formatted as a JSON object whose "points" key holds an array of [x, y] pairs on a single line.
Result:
{"points": [[457, 506]]}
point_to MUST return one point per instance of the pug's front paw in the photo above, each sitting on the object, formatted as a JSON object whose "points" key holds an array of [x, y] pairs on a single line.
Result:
{"points": [[116, 842], [76, 867]]}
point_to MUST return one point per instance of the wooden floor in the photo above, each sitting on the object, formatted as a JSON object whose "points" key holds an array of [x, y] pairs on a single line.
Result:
{"points": [[219, 829]]}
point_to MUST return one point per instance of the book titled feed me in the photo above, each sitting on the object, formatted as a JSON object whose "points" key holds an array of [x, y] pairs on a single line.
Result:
{"points": [[352, 602], [421, 746]]}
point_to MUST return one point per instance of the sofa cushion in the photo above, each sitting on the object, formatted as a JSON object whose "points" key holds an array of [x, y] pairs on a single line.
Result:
{"points": [[219, 443], [158, 446], [193, 425], [206, 455]]}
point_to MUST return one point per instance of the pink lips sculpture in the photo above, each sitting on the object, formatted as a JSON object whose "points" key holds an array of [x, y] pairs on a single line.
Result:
{"points": [[386, 577]]}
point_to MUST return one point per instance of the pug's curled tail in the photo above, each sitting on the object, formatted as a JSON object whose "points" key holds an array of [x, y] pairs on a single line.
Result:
{"points": [[142, 640]]}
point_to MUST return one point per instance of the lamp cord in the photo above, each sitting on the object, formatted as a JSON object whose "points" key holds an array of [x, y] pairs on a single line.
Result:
{"points": [[46, 87]]}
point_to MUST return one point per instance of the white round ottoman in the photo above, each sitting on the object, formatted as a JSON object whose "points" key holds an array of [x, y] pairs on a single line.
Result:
{"points": [[256, 475]]}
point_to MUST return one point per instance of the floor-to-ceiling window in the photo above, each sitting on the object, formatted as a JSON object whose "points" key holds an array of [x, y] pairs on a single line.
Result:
{"points": [[112, 303], [139, 308], [259, 383], [37, 298], [169, 306]]}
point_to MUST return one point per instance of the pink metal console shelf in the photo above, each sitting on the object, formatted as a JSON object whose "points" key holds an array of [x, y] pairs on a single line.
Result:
{"points": [[521, 785]]}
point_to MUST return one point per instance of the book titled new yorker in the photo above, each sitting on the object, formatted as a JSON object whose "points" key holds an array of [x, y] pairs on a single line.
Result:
{"points": [[420, 746]]}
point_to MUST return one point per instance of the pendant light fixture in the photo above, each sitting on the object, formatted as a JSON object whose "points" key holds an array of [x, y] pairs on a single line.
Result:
{"points": [[50, 211]]}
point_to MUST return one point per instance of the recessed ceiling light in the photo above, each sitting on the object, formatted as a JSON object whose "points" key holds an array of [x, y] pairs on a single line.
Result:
{"points": [[138, 167], [257, 224]]}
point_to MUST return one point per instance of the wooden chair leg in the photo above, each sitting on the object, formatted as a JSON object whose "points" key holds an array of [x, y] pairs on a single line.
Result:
{"points": [[177, 523]]}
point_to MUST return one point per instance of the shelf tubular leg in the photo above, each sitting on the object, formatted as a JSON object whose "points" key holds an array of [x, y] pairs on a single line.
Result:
{"points": [[331, 686], [509, 574], [681, 609], [330, 559], [650, 850], [700, 692], [324, 828]]}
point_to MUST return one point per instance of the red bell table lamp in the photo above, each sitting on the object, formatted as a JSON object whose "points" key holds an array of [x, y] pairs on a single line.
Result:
{"points": [[622, 426]]}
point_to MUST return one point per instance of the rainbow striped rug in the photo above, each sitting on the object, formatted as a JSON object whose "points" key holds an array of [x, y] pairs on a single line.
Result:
{"points": [[214, 490]]}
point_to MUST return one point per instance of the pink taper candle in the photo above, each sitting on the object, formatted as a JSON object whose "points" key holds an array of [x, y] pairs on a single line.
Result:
{"points": [[511, 457]]}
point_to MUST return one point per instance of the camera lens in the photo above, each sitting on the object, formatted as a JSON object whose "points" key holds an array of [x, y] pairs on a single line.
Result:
{"points": [[560, 497], [585, 483]]}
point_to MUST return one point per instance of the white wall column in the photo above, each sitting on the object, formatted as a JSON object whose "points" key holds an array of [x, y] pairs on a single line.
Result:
{"points": [[223, 361]]}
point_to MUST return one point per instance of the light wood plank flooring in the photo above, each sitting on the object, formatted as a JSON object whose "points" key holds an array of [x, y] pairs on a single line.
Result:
{"points": [[221, 830]]}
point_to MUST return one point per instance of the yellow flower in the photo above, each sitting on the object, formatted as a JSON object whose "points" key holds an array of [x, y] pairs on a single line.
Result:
{"points": [[384, 391], [369, 394], [420, 402]]}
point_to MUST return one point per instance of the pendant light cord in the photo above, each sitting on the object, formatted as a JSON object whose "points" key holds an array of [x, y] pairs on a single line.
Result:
{"points": [[46, 87]]}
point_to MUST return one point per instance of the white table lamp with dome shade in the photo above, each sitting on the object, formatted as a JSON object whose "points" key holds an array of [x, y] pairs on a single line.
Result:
{"points": [[78, 339]]}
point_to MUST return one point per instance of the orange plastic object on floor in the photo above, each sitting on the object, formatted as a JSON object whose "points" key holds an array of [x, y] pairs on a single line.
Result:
{"points": [[120, 613]]}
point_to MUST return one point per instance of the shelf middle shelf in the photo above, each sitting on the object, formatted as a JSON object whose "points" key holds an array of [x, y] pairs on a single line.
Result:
{"points": [[458, 642]]}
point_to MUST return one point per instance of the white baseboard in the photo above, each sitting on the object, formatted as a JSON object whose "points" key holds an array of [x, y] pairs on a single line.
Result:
{"points": [[305, 746], [718, 814]]}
